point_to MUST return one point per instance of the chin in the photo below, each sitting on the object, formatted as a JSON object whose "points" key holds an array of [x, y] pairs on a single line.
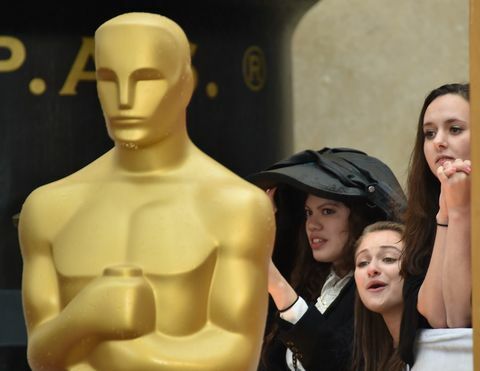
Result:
{"points": [[127, 135], [372, 303], [376, 308], [319, 257]]}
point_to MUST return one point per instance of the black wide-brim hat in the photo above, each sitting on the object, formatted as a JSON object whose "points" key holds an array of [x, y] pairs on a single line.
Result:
{"points": [[341, 174]]}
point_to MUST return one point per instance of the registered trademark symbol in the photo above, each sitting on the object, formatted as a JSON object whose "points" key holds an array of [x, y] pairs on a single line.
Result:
{"points": [[254, 68]]}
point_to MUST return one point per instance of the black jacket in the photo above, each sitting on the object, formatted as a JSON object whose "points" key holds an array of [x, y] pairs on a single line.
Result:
{"points": [[321, 342]]}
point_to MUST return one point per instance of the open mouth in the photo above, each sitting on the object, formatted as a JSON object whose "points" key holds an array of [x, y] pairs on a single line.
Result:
{"points": [[376, 286], [317, 242]]}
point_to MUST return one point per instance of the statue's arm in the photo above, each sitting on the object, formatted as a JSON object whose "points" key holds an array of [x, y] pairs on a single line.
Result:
{"points": [[50, 333], [61, 334], [231, 339], [239, 288]]}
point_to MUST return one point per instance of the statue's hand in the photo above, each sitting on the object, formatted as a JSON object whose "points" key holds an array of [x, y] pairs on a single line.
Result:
{"points": [[118, 305]]}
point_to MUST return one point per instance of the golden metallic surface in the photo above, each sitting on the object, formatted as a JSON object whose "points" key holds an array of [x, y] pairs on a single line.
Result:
{"points": [[37, 86], [154, 256], [17, 53], [475, 158], [212, 90]]}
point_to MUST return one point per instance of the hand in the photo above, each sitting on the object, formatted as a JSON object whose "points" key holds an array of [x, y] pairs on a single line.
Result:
{"points": [[271, 195], [118, 305], [455, 184], [458, 165]]}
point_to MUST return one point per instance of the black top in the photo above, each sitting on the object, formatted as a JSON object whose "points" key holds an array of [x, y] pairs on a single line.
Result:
{"points": [[321, 342], [412, 320]]}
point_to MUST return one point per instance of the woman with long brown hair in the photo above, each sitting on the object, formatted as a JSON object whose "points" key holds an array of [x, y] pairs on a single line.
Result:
{"points": [[324, 199], [436, 265], [379, 301]]}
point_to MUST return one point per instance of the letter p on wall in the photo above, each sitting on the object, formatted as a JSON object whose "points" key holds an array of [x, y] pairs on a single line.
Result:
{"points": [[17, 53]]}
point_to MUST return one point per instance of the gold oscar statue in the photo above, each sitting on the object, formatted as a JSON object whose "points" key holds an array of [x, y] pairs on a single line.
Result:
{"points": [[154, 256]]}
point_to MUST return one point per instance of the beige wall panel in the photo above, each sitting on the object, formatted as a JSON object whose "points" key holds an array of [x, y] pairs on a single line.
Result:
{"points": [[361, 69]]}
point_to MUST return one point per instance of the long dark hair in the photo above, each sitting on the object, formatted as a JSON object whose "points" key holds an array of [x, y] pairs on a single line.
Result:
{"points": [[373, 348], [423, 191], [307, 276]]}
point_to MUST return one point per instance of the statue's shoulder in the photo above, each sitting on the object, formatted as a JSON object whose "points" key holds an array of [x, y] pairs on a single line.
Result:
{"points": [[47, 202], [45, 194], [235, 199], [225, 184], [60, 193], [39, 211], [241, 213]]}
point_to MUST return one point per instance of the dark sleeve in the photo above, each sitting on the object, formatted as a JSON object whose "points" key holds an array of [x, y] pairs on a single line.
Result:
{"points": [[411, 318], [274, 357], [323, 341]]}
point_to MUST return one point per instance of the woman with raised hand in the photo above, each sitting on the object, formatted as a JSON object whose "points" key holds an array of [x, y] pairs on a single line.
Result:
{"points": [[436, 265], [323, 199]]}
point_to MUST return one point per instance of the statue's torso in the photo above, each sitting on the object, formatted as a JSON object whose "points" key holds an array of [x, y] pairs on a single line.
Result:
{"points": [[158, 228]]}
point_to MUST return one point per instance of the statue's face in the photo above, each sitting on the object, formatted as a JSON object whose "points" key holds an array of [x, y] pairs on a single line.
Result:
{"points": [[139, 82]]}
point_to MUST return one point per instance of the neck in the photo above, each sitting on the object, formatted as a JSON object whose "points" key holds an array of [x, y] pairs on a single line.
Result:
{"points": [[340, 270], [165, 154], [392, 320]]}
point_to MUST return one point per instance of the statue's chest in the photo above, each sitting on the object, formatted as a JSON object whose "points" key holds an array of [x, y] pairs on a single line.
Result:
{"points": [[162, 235]]}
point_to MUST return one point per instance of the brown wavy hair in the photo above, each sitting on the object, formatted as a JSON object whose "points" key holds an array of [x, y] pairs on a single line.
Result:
{"points": [[373, 348], [423, 192]]}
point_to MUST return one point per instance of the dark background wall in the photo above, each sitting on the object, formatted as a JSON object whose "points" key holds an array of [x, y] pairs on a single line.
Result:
{"points": [[51, 123]]}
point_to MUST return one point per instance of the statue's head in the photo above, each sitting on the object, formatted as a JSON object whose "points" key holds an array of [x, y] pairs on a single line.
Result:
{"points": [[144, 76]]}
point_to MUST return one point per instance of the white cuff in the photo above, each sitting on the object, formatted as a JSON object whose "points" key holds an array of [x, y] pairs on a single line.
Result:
{"points": [[296, 312]]}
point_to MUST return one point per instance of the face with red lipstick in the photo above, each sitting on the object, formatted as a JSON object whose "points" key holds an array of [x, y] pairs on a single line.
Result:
{"points": [[377, 271], [327, 228], [446, 128]]}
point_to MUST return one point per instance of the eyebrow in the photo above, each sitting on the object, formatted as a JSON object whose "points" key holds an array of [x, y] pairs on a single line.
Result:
{"points": [[382, 247], [328, 203], [448, 121]]}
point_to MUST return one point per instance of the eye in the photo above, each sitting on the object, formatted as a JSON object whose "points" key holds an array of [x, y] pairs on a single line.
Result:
{"points": [[389, 260], [105, 74], [455, 130], [146, 74], [308, 213], [327, 211], [362, 263], [429, 134]]}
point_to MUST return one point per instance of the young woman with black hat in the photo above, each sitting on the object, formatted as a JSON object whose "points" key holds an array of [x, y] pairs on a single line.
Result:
{"points": [[324, 199], [437, 262]]}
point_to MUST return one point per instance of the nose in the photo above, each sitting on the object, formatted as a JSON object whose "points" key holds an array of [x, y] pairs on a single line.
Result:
{"points": [[125, 93], [440, 140], [313, 224], [372, 269]]}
